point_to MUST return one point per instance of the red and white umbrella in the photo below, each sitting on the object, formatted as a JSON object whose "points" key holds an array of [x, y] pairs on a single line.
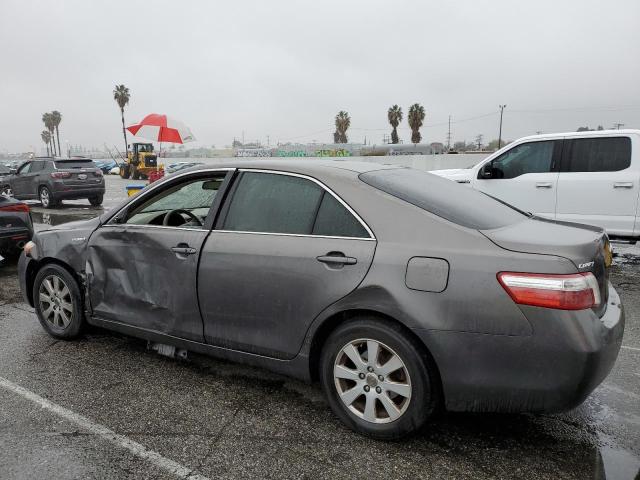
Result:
{"points": [[162, 128]]}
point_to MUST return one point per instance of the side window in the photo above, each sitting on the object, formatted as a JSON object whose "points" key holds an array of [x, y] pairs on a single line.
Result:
{"points": [[184, 205], [335, 220], [534, 157], [597, 154], [26, 168], [273, 203], [37, 166]]}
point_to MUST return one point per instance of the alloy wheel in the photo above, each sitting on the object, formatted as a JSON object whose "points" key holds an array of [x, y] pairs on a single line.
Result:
{"points": [[45, 198], [55, 300], [372, 381], [6, 191]]}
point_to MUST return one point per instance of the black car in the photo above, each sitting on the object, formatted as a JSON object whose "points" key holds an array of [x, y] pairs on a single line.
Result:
{"points": [[52, 180], [16, 227]]}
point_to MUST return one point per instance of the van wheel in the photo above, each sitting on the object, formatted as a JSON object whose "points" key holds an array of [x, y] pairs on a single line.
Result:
{"points": [[46, 198], [96, 201], [376, 379], [58, 302]]}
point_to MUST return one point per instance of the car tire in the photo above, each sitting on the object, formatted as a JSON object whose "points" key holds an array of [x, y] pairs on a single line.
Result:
{"points": [[378, 402], [46, 197], [124, 171], [58, 302], [96, 201], [6, 190]]}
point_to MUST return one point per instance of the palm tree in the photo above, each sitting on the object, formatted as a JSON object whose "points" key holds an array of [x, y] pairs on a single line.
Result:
{"points": [[47, 119], [46, 138], [395, 117], [121, 96], [343, 122], [56, 118], [416, 117]]}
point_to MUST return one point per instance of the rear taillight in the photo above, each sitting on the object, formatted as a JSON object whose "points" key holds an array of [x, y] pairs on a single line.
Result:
{"points": [[17, 207], [576, 291], [61, 175], [98, 173]]}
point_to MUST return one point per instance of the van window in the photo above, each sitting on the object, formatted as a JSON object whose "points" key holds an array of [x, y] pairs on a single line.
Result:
{"points": [[444, 198], [532, 157], [608, 154]]}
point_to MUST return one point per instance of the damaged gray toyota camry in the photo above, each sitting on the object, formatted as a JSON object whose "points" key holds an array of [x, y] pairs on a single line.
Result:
{"points": [[399, 291]]}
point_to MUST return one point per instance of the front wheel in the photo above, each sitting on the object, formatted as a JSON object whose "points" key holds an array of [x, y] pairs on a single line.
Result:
{"points": [[6, 190], [124, 171], [58, 302], [377, 380]]}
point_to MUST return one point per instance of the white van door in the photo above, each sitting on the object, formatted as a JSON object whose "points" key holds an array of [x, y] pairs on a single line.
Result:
{"points": [[597, 184], [524, 176]]}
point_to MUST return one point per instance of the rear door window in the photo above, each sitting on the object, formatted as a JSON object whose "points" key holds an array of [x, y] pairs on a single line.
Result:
{"points": [[532, 157], [596, 154], [37, 166], [273, 203]]}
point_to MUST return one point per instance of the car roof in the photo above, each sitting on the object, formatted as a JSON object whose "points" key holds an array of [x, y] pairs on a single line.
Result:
{"points": [[591, 133], [308, 166]]}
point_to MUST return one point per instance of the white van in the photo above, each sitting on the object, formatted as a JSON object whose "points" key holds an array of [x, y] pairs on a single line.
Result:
{"points": [[585, 177]]}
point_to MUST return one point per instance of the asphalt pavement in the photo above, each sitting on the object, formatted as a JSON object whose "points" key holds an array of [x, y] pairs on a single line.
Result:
{"points": [[105, 407]]}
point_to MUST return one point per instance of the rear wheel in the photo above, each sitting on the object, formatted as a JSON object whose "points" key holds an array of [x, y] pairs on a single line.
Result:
{"points": [[96, 201], [124, 171], [46, 198], [376, 379], [58, 302]]}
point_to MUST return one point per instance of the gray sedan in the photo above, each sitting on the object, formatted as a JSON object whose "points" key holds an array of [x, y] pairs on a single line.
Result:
{"points": [[399, 291]]}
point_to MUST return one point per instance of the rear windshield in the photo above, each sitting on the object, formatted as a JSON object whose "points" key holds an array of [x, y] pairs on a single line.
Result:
{"points": [[64, 164], [445, 198]]}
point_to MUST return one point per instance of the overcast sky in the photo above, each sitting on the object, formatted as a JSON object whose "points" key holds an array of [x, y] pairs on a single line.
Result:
{"points": [[283, 69]]}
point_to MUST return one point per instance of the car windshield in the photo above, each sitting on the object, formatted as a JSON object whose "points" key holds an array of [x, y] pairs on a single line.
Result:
{"points": [[449, 200], [65, 164]]}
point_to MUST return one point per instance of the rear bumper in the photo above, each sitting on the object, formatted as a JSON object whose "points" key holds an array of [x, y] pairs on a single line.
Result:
{"points": [[61, 191], [11, 238], [568, 355]]}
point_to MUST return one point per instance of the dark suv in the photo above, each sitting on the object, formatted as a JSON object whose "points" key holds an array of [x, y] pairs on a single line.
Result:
{"points": [[52, 180]]}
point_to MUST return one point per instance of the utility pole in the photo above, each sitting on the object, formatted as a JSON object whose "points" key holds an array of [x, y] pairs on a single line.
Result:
{"points": [[267, 140], [479, 140], [618, 125], [449, 135], [502, 107]]}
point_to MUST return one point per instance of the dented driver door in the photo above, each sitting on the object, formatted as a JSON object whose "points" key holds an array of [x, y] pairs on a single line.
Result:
{"points": [[142, 267]]}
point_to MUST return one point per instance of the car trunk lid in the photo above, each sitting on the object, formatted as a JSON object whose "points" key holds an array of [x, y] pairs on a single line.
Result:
{"points": [[585, 246]]}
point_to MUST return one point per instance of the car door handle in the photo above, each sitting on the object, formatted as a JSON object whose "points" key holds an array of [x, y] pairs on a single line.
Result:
{"points": [[337, 259], [623, 185], [544, 185], [183, 250]]}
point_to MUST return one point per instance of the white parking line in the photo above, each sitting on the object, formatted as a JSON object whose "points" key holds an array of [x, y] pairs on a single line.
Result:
{"points": [[631, 348], [105, 433]]}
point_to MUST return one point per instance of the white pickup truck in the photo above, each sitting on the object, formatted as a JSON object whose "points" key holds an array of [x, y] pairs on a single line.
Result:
{"points": [[585, 177]]}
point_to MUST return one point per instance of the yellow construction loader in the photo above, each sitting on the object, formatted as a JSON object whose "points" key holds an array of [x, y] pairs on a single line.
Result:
{"points": [[141, 160]]}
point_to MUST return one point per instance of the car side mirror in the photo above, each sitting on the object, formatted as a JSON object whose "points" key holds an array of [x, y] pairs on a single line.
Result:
{"points": [[13, 171], [121, 217], [486, 172]]}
